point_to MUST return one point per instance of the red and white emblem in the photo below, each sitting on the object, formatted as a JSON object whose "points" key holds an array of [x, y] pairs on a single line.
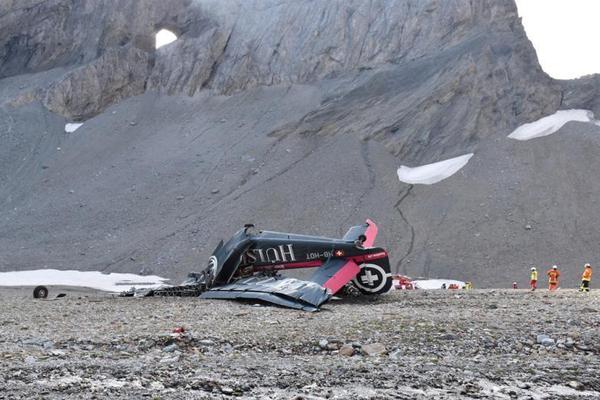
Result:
{"points": [[339, 253]]}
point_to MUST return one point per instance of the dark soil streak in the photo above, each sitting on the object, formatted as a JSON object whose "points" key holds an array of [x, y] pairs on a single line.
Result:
{"points": [[398, 208]]}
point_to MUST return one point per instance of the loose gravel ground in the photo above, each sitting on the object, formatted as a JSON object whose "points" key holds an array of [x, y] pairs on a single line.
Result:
{"points": [[404, 345]]}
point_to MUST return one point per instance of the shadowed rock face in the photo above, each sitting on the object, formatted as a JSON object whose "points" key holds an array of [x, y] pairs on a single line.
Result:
{"points": [[296, 114]]}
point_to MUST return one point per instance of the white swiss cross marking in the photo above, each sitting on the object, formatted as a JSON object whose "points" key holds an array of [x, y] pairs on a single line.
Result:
{"points": [[368, 278]]}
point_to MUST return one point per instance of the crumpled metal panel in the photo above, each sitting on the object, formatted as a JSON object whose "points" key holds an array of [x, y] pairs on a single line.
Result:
{"points": [[287, 292]]}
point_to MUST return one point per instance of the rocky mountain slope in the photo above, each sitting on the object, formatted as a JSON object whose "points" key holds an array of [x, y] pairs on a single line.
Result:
{"points": [[292, 115]]}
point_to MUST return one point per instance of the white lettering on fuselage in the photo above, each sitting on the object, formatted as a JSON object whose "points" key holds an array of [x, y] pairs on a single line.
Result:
{"points": [[281, 253], [316, 256]]}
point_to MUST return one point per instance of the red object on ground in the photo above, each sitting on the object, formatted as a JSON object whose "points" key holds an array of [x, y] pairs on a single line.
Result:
{"points": [[402, 282], [453, 286], [179, 329]]}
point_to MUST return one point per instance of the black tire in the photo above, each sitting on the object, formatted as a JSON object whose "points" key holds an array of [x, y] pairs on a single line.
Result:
{"points": [[40, 292]]}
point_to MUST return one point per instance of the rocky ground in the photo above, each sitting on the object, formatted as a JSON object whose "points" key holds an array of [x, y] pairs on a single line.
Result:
{"points": [[435, 344]]}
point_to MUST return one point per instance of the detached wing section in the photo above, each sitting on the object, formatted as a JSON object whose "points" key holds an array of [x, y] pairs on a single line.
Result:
{"points": [[287, 292], [334, 274]]}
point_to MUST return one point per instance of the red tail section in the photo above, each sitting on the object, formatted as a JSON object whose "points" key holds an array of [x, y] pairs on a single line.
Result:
{"points": [[371, 234]]}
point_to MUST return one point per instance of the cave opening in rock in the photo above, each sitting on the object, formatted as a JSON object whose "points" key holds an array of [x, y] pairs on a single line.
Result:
{"points": [[164, 37]]}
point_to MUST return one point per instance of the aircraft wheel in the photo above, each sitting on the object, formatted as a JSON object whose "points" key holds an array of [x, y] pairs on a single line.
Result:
{"points": [[373, 279], [40, 292]]}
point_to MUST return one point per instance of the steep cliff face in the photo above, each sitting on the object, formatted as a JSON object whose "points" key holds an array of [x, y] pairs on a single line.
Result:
{"points": [[253, 101], [436, 67], [230, 46]]}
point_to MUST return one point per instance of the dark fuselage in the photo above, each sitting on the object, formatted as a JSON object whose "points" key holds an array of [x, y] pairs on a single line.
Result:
{"points": [[271, 251]]}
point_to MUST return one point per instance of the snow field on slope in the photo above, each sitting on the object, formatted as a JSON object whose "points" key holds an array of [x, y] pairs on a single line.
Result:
{"points": [[548, 125], [72, 127], [433, 173], [114, 282]]}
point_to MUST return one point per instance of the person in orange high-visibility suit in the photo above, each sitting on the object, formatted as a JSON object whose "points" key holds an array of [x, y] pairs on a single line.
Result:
{"points": [[553, 275], [586, 278]]}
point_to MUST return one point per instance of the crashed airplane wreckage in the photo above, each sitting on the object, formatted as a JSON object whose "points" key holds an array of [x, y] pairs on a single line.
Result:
{"points": [[248, 265]]}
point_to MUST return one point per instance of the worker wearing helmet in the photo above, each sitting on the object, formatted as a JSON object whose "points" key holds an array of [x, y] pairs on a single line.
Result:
{"points": [[553, 275], [586, 278], [533, 277]]}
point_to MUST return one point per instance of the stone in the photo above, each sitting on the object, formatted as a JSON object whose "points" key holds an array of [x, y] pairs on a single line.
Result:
{"points": [[332, 346], [548, 342], [170, 360], [226, 390], [575, 385], [346, 350], [30, 360], [448, 336], [38, 341], [374, 349], [170, 348], [540, 338], [395, 355]]}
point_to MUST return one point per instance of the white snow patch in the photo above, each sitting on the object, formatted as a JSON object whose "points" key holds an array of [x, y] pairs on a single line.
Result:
{"points": [[433, 173], [164, 37], [550, 124], [72, 127], [114, 282], [436, 283]]}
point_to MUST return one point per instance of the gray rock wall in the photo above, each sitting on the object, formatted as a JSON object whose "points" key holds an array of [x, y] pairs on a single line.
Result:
{"points": [[435, 67], [290, 114], [233, 45]]}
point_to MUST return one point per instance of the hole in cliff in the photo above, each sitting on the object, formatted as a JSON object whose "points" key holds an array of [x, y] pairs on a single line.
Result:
{"points": [[164, 37]]}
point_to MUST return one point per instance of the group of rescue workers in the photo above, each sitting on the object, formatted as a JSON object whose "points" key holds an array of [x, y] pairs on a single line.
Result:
{"points": [[553, 275]]}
